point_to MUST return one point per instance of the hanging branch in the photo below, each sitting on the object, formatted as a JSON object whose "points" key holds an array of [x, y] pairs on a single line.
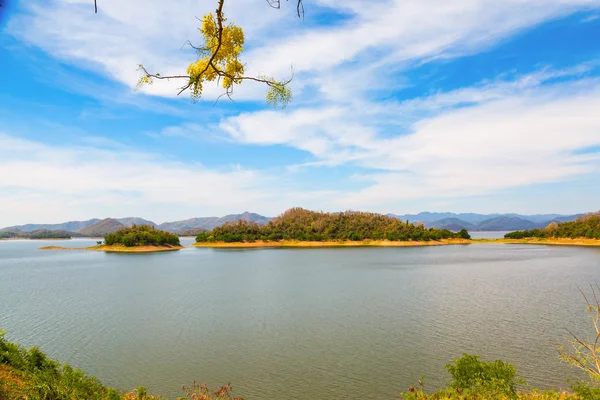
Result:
{"points": [[218, 60], [299, 6]]}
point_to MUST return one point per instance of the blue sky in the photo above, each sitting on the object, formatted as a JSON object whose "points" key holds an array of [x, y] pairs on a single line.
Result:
{"points": [[463, 106]]}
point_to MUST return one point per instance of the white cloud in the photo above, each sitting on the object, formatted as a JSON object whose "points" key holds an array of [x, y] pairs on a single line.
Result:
{"points": [[378, 36], [51, 183], [514, 134]]}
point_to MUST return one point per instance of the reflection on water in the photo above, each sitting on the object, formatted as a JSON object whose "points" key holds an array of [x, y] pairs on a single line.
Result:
{"points": [[321, 324]]}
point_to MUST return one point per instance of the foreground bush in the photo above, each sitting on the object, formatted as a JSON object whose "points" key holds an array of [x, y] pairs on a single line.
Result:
{"points": [[29, 374], [473, 379]]}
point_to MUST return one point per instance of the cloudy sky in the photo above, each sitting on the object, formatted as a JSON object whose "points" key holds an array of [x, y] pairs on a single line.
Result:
{"points": [[399, 106]]}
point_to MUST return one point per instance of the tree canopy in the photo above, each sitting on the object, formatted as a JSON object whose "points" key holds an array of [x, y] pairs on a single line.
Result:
{"points": [[141, 235], [305, 225], [587, 226]]}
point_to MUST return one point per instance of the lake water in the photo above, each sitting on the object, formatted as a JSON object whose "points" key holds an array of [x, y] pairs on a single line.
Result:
{"points": [[488, 234], [321, 324]]}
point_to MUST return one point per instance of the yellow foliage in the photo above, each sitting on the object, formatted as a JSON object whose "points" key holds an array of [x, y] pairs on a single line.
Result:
{"points": [[218, 60], [215, 57]]}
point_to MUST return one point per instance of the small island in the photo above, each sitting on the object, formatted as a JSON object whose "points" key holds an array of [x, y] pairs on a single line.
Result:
{"points": [[584, 231], [298, 227], [44, 234], [134, 239]]}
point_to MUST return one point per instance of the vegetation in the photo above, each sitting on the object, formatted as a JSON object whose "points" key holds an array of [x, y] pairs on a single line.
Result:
{"points": [[38, 234], [218, 60], [587, 226], [29, 374], [304, 225], [141, 235], [583, 351], [474, 379]]}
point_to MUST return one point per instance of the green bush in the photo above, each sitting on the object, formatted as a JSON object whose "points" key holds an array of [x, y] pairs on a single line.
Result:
{"points": [[464, 234], [469, 372], [141, 235]]}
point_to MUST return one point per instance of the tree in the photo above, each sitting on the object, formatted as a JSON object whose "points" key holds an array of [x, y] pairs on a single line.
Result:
{"points": [[464, 234]]}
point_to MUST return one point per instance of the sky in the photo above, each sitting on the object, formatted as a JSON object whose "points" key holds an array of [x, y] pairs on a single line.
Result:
{"points": [[399, 107]]}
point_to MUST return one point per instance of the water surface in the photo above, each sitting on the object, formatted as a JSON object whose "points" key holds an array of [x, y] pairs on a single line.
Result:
{"points": [[324, 323]]}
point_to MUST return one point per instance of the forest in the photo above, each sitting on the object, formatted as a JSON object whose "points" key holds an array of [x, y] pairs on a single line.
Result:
{"points": [[304, 225], [141, 235], [587, 226], [38, 234]]}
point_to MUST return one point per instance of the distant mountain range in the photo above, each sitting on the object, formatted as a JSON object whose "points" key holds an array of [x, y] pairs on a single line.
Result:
{"points": [[209, 223], [99, 228], [485, 222], [454, 222]]}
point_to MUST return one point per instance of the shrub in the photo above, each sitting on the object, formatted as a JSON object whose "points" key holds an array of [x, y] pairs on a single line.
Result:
{"points": [[469, 372]]}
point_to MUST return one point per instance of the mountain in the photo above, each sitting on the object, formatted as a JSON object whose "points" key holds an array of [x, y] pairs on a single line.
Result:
{"points": [[452, 224], [190, 232], [505, 223], [485, 222], [426, 217], [209, 223], [101, 228], [71, 226], [130, 221], [567, 218], [447, 220]]}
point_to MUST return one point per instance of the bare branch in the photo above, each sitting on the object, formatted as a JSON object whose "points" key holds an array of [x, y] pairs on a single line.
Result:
{"points": [[585, 354]]}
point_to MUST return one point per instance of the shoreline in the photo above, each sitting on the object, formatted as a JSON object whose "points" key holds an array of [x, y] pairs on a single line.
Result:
{"points": [[115, 249], [579, 242], [348, 243]]}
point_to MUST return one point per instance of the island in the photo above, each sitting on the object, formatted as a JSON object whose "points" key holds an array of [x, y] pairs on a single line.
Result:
{"points": [[44, 234], [584, 231], [298, 227], [133, 239]]}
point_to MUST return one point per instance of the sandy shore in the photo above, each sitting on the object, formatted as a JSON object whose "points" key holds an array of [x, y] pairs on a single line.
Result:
{"points": [[118, 249], [551, 242], [365, 243]]}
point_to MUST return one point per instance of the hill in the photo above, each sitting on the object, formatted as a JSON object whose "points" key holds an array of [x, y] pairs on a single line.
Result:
{"points": [[453, 224], [304, 225], [484, 222], [190, 232], [102, 228], [130, 221], [587, 226], [505, 224], [212, 222], [71, 226]]}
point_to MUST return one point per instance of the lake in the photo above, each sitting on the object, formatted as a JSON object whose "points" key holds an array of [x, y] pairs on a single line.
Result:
{"points": [[324, 323]]}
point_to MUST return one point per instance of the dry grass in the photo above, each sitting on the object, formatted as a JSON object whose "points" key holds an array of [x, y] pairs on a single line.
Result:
{"points": [[364, 243], [12, 384], [544, 241]]}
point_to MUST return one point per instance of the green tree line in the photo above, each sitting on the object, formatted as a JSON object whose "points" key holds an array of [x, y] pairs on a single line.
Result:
{"points": [[304, 225], [141, 235], [587, 226], [39, 234]]}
